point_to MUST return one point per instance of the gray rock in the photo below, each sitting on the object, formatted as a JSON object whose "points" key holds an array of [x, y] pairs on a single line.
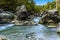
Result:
{"points": [[20, 9], [51, 18], [22, 13], [2, 37], [6, 17], [50, 15]]}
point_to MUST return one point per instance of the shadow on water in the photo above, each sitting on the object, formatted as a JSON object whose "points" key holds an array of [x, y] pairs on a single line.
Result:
{"points": [[37, 32]]}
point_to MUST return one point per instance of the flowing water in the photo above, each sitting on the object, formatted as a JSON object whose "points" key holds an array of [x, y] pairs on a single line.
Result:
{"points": [[36, 32]]}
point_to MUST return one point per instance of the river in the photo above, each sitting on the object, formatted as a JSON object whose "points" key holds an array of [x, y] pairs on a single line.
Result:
{"points": [[36, 32]]}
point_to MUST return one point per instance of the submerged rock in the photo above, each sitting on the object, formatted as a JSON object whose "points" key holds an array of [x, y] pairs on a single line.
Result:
{"points": [[30, 35]]}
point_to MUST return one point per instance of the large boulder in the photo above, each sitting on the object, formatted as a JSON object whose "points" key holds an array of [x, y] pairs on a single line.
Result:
{"points": [[23, 16], [22, 13], [49, 17]]}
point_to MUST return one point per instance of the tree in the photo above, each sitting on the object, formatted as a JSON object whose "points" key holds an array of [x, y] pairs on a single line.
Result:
{"points": [[10, 5]]}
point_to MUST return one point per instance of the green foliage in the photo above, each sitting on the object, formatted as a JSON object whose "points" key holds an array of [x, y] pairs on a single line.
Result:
{"points": [[59, 9], [10, 5], [50, 5]]}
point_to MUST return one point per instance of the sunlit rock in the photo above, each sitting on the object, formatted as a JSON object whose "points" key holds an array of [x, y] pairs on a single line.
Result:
{"points": [[29, 23], [24, 23], [20, 9], [2, 37]]}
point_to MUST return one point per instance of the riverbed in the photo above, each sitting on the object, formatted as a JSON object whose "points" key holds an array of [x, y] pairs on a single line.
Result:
{"points": [[36, 32]]}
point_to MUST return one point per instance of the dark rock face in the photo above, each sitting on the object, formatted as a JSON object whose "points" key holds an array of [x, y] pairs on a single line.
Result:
{"points": [[1, 10], [24, 16], [50, 15]]}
